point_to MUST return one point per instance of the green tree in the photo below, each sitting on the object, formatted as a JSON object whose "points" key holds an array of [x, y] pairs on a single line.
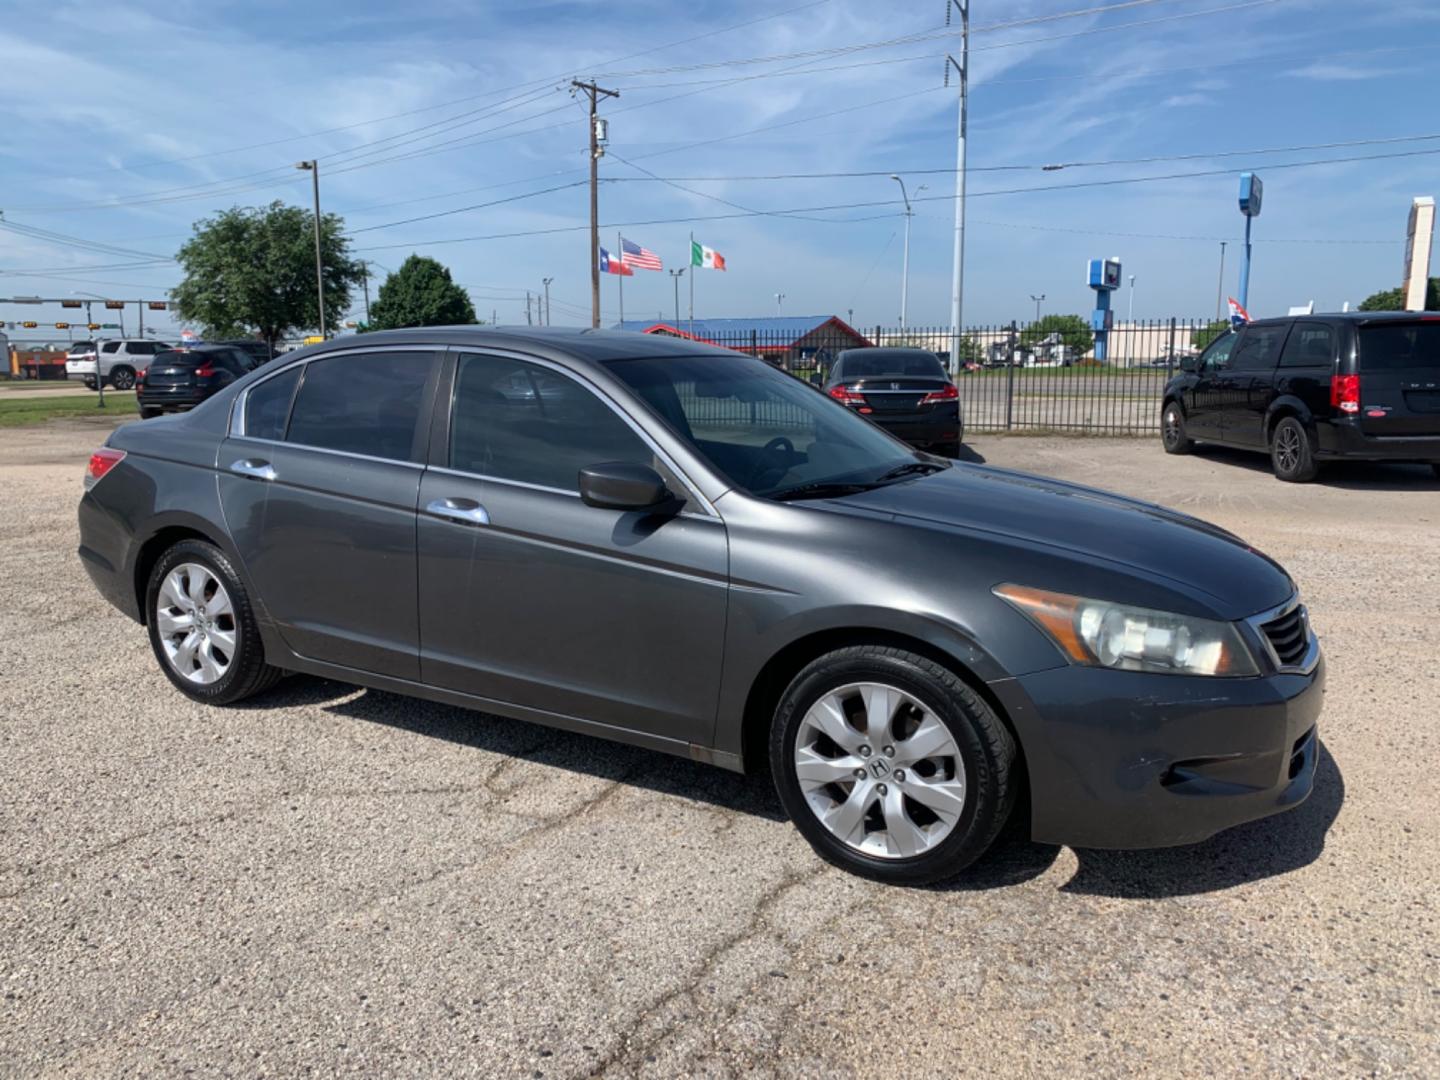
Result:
{"points": [[1394, 299], [251, 270], [1202, 336], [1073, 330], [420, 293], [971, 351]]}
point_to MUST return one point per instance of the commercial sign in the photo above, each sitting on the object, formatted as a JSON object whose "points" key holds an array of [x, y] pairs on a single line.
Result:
{"points": [[1417, 252]]}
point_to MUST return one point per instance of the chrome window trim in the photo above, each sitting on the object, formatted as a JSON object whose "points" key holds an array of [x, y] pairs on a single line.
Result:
{"points": [[543, 488], [1311, 658], [461, 350], [337, 453]]}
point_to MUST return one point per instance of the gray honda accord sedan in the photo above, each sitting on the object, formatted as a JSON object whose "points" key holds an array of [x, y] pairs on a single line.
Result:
{"points": [[681, 547]]}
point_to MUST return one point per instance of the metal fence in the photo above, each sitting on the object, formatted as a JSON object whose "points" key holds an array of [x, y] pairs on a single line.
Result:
{"points": [[1022, 377]]}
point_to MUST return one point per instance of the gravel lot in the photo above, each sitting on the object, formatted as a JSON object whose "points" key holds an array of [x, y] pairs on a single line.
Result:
{"points": [[334, 880]]}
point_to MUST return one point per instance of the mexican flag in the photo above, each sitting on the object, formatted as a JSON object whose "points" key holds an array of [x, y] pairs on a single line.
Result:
{"points": [[706, 258]]}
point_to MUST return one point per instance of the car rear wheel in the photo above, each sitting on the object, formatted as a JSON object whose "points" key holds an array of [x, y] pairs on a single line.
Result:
{"points": [[1291, 453], [123, 378], [1172, 430], [891, 766], [202, 627]]}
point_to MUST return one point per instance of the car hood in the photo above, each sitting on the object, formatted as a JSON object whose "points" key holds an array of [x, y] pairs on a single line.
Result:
{"points": [[999, 503]]}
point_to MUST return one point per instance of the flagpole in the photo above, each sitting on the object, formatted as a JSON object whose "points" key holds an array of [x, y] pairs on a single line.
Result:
{"points": [[692, 285], [620, 245]]}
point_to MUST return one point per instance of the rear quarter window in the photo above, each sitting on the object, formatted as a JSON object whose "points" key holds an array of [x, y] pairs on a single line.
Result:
{"points": [[267, 406]]}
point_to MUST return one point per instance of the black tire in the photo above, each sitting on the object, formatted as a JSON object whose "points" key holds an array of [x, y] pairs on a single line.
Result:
{"points": [[1173, 436], [123, 378], [1292, 455], [149, 412], [987, 749], [1435, 467], [248, 672]]}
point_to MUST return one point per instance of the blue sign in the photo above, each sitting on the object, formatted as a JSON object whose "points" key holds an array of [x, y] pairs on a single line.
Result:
{"points": [[1252, 191], [1103, 274]]}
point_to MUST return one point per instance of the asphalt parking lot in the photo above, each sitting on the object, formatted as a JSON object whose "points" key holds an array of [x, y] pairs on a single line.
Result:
{"points": [[332, 880]]}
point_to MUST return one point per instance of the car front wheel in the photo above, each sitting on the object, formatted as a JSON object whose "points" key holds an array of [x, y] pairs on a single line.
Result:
{"points": [[1291, 452], [202, 627], [1172, 430], [891, 766]]}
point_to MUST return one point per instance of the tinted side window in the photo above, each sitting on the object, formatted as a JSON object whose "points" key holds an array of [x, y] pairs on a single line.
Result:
{"points": [[1258, 349], [267, 406], [1309, 345], [518, 421], [1217, 356], [110, 346], [364, 404]]}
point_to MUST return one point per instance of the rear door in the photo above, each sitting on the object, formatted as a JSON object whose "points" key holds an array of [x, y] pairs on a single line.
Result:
{"points": [[1251, 383], [1306, 364], [1399, 368], [319, 491]]}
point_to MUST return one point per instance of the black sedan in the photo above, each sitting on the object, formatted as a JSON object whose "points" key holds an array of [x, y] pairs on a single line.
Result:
{"points": [[679, 547], [905, 391], [182, 378]]}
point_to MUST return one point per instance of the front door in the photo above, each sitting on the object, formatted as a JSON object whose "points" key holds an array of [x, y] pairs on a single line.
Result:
{"points": [[530, 597], [320, 498], [1206, 399]]}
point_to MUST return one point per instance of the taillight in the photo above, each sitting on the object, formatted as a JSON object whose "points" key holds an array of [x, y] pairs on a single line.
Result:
{"points": [[140, 377], [950, 393], [846, 396], [1345, 393], [101, 462], [205, 370]]}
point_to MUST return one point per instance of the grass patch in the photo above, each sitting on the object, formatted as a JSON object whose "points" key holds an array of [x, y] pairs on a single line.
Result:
{"points": [[38, 410], [38, 384]]}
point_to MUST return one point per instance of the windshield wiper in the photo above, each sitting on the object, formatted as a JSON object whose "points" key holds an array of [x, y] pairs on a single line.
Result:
{"points": [[822, 489], [911, 468]]}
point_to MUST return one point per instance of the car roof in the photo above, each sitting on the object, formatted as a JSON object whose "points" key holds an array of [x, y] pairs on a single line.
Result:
{"points": [[596, 346]]}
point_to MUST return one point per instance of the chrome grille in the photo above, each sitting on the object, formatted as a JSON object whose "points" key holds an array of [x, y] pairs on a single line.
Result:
{"points": [[1289, 636]]}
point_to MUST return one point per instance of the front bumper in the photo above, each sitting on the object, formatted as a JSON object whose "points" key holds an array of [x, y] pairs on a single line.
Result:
{"points": [[1125, 760], [1344, 439]]}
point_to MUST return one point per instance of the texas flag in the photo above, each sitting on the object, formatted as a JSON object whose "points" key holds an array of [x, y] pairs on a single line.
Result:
{"points": [[613, 266], [1238, 315]]}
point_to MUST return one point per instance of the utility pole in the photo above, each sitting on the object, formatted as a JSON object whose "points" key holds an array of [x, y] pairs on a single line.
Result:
{"points": [[675, 276], [547, 281], [527, 308], [1220, 287], [958, 272], [597, 136], [779, 302], [1037, 300], [313, 167], [365, 278]]}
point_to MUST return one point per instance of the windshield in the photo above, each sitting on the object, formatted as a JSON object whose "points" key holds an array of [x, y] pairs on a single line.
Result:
{"points": [[764, 431], [877, 363]]}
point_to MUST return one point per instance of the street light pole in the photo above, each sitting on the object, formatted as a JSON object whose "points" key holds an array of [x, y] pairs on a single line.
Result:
{"points": [[313, 167], [675, 276], [1220, 286], [547, 282], [1037, 300], [905, 264], [779, 302]]}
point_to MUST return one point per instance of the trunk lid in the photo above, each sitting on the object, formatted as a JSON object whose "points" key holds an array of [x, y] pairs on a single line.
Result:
{"points": [[897, 393], [1399, 366]]}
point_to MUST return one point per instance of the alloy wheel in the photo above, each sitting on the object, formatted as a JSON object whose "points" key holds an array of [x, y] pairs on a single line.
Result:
{"points": [[1172, 426], [123, 380], [195, 621], [1287, 448], [879, 770]]}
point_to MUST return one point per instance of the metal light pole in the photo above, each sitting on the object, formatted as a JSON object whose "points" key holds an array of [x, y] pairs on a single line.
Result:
{"points": [[313, 167], [365, 279], [779, 301], [675, 276], [957, 274], [1037, 300], [547, 282], [1220, 285], [1131, 316], [905, 263]]}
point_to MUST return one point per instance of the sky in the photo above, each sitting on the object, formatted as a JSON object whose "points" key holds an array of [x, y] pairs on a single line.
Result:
{"points": [[128, 122]]}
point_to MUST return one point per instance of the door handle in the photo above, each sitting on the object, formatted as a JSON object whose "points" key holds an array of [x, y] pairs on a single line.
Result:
{"points": [[254, 468], [465, 511]]}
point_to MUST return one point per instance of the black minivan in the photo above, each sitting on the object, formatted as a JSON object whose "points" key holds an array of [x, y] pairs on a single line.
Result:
{"points": [[1363, 386]]}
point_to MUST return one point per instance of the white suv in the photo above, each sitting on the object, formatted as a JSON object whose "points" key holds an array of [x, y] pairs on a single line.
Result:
{"points": [[119, 361]]}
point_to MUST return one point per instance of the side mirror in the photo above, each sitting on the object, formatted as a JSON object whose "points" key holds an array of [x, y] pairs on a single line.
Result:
{"points": [[623, 485]]}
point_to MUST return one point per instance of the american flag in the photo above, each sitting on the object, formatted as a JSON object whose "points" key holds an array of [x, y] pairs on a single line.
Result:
{"points": [[638, 257]]}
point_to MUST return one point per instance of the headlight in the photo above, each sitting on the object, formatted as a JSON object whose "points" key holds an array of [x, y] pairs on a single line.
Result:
{"points": [[1105, 634]]}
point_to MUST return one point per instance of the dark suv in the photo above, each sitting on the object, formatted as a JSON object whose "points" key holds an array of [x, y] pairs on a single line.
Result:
{"points": [[182, 378], [1362, 386]]}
